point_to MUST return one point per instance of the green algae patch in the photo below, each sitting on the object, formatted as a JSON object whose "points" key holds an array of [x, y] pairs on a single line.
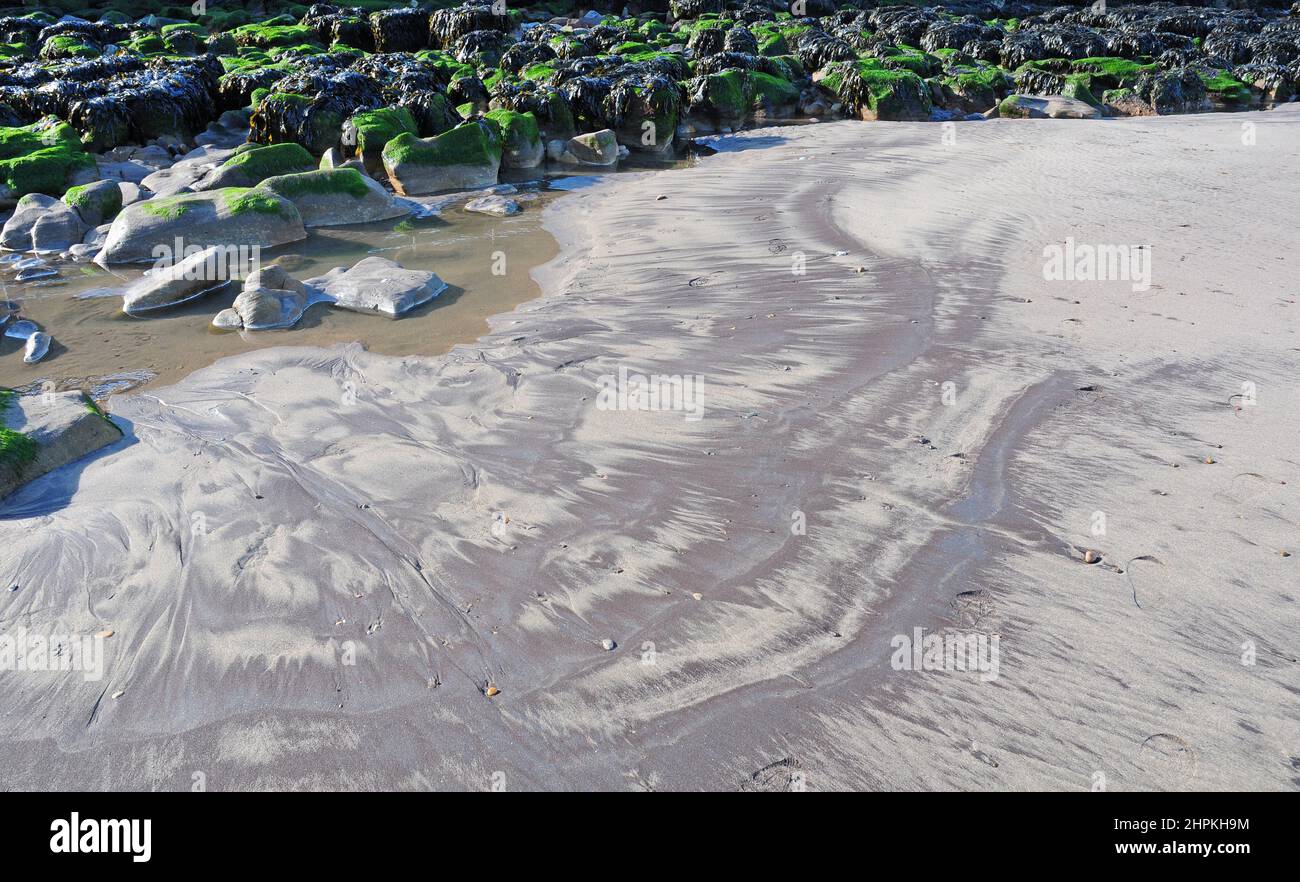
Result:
{"points": [[473, 143], [1114, 73], [1078, 86], [39, 158], [1225, 87], [322, 182], [69, 46], [770, 90], [170, 207], [273, 159], [241, 200], [17, 449], [728, 93], [268, 35], [375, 128], [516, 128]]}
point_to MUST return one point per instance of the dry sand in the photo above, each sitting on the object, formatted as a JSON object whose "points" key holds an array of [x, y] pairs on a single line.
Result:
{"points": [[286, 511]]}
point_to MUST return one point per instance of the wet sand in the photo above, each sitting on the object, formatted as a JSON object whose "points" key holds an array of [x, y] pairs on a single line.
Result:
{"points": [[317, 561]]}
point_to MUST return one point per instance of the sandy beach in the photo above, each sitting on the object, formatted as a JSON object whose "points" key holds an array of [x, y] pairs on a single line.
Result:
{"points": [[317, 563]]}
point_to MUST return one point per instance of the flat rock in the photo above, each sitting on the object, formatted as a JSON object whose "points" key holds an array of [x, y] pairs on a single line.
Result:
{"points": [[376, 284], [60, 428], [500, 206]]}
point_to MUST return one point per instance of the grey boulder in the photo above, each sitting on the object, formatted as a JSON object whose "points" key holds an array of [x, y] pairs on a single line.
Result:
{"points": [[233, 217], [377, 285], [192, 277]]}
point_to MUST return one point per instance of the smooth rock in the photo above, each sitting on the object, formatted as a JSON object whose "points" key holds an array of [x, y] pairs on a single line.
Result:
{"points": [[236, 218], [500, 206], [593, 148], [271, 298], [42, 223], [333, 197], [228, 319], [1046, 107], [192, 277], [63, 427], [377, 284], [95, 203], [38, 344]]}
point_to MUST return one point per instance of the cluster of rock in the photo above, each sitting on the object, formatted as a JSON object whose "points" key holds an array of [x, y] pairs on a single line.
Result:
{"points": [[356, 81], [119, 135]]}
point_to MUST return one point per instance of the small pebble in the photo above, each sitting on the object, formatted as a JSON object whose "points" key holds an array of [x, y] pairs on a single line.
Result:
{"points": [[608, 645], [1091, 556]]}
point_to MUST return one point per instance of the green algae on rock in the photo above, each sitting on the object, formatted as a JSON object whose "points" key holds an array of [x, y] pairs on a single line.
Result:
{"points": [[466, 156], [40, 158]]}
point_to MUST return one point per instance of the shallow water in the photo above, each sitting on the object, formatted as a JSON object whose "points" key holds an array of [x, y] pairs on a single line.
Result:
{"points": [[103, 351]]}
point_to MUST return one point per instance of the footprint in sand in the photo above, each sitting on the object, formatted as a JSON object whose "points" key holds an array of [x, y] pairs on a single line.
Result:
{"points": [[1168, 760]]}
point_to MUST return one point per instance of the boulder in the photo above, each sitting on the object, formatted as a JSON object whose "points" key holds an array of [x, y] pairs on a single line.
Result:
{"points": [[39, 433], [191, 277], [468, 156], [96, 203], [251, 219], [271, 298], [42, 223], [365, 133], [594, 148], [521, 139], [1045, 107], [332, 197], [249, 167], [376, 284]]}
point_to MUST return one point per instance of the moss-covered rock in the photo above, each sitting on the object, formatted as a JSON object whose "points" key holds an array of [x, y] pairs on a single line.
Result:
{"points": [[871, 91], [721, 99], [255, 163], [233, 217], [334, 197], [40, 158], [96, 203], [366, 133], [467, 156], [521, 139]]}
